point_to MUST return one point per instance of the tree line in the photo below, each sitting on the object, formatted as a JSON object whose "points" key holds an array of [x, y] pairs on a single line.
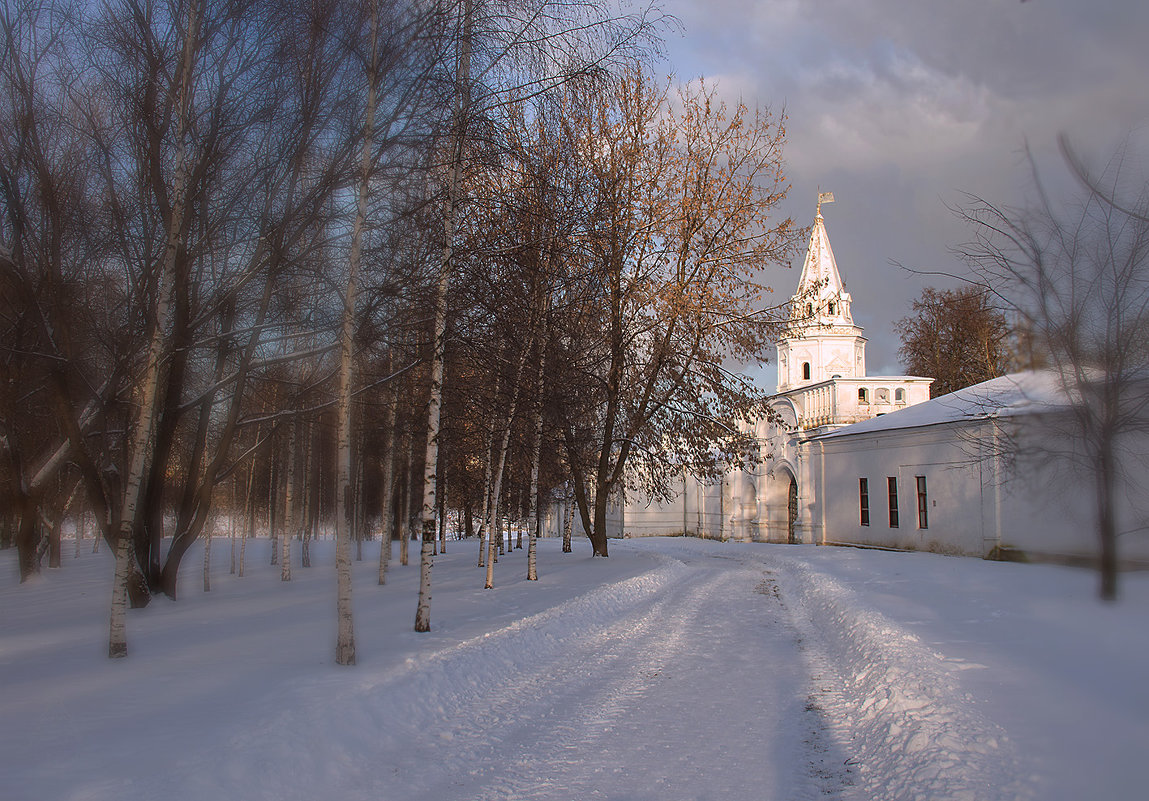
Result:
{"points": [[368, 262]]}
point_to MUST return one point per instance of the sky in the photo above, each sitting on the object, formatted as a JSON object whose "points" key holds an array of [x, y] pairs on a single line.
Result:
{"points": [[900, 108]]}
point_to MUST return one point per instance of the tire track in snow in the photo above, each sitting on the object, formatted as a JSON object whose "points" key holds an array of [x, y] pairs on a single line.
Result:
{"points": [[584, 697], [892, 704], [627, 703], [702, 704]]}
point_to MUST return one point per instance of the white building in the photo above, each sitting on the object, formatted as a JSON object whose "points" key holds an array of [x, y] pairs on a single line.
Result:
{"points": [[822, 386], [993, 470], [853, 459]]}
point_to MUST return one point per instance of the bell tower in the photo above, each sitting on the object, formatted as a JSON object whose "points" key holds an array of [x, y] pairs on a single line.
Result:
{"points": [[821, 341]]}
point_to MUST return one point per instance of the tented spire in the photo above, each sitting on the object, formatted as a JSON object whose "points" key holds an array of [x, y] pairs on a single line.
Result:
{"points": [[821, 341], [821, 293]]}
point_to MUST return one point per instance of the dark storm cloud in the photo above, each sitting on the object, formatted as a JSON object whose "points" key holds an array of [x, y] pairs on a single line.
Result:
{"points": [[900, 106]]}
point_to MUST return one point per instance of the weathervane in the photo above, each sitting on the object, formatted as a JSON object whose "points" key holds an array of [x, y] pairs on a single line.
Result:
{"points": [[824, 197]]}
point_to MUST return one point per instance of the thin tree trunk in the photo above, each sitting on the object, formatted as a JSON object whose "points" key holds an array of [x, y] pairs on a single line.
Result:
{"points": [[443, 516], [501, 462], [405, 505], [310, 498], [484, 528], [345, 645], [207, 537], [568, 524], [249, 507], [387, 527], [289, 493], [272, 505], [492, 540], [534, 516], [1105, 479], [231, 522], [358, 510], [438, 360]]}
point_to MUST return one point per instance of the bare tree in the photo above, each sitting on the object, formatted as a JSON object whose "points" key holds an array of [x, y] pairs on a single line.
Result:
{"points": [[1077, 274]]}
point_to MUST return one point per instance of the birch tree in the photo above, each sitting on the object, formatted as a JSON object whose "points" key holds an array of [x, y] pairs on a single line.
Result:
{"points": [[345, 644], [117, 638]]}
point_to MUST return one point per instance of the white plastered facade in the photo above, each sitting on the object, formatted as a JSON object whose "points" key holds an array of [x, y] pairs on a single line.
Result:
{"points": [[853, 459]]}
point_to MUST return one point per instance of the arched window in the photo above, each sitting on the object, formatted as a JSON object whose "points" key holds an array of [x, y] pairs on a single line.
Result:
{"points": [[830, 308], [862, 396], [883, 395], [805, 371], [900, 395], [809, 309]]}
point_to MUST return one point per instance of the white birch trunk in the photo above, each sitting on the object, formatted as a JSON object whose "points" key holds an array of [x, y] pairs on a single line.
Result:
{"points": [[484, 528], [405, 508], [434, 406], [357, 512], [272, 517], [231, 522], [501, 462], [249, 510], [308, 514], [142, 435], [443, 516], [492, 535], [345, 645]]}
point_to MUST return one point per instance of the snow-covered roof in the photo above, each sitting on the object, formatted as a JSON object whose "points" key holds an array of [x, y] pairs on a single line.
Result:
{"points": [[1018, 393]]}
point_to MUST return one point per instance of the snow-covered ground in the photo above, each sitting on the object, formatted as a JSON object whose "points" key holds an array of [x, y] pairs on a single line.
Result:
{"points": [[675, 669]]}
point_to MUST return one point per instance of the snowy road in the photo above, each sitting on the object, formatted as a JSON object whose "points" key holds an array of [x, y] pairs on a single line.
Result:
{"points": [[717, 673], [683, 682], [675, 670], [686, 683]]}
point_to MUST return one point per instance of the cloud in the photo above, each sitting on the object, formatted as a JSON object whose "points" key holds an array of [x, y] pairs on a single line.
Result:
{"points": [[900, 106], [896, 109]]}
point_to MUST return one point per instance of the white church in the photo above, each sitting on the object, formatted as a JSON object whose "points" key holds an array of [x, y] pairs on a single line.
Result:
{"points": [[865, 460]]}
